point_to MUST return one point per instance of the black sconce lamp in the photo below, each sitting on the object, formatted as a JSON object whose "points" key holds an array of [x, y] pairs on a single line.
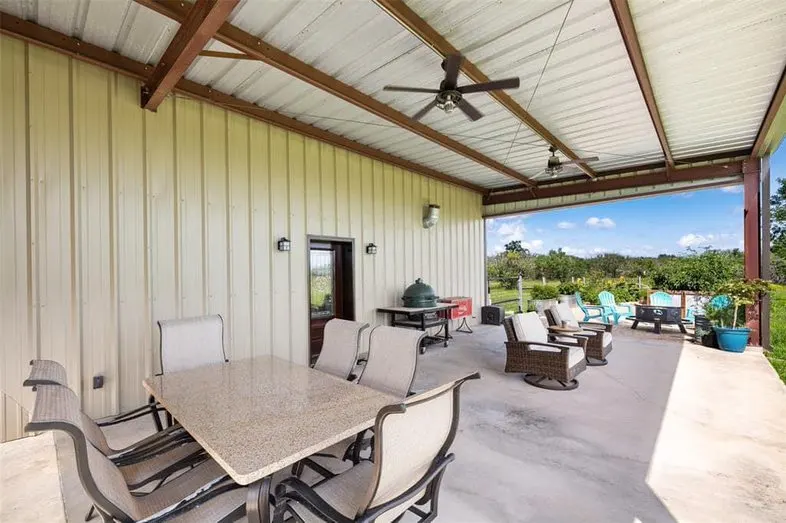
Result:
{"points": [[371, 248], [284, 245]]}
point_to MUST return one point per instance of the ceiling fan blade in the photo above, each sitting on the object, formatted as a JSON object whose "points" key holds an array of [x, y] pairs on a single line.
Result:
{"points": [[507, 83], [469, 109], [452, 66], [420, 114], [581, 160], [409, 89]]}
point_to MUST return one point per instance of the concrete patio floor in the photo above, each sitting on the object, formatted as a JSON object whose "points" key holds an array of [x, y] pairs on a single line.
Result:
{"points": [[668, 431]]}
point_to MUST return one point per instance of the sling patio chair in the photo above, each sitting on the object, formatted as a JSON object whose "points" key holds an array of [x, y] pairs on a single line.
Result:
{"points": [[612, 310], [410, 457], [599, 340], [340, 347], [544, 361], [145, 459], [187, 343], [590, 311], [391, 366], [202, 493]]}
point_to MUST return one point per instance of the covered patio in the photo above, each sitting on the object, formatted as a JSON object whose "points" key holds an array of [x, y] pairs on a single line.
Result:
{"points": [[671, 431], [259, 164]]}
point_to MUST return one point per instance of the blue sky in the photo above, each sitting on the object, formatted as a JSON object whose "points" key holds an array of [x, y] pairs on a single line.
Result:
{"points": [[698, 219]]}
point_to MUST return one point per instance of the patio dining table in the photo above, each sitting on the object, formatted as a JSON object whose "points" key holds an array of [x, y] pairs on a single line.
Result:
{"points": [[257, 416]]}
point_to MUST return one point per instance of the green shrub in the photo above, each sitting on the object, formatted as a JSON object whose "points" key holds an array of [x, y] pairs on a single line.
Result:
{"points": [[569, 288], [545, 292]]}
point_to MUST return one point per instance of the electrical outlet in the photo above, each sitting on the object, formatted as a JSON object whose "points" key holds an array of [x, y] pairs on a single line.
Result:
{"points": [[98, 382]]}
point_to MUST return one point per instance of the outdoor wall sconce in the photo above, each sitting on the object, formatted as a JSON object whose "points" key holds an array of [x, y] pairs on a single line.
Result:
{"points": [[371, 248], [284, 245], [431, 216]]}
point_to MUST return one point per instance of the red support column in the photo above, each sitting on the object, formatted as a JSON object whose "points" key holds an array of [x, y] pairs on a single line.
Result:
{"points": [[752, 239]]}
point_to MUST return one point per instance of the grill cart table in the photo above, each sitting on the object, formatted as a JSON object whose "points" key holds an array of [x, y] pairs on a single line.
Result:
{"points": [[659, 315], [423, 318], [260, 415]]}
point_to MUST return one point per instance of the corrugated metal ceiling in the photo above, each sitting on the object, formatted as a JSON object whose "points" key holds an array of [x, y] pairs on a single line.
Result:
{"points": [[713, 67]]}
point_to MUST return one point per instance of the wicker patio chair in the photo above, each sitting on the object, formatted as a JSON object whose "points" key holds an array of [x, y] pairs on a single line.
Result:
{"points": [[391, 366], [413, 440], [546, 363], [599, 339], [144, 460], [203, 493], [340, 347]]}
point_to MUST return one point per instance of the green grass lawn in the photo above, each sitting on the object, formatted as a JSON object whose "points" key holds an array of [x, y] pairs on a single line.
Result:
{"points": [[778, 325]]}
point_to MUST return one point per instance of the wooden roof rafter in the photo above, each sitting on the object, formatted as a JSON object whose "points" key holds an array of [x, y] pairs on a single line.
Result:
{"points": [[254, 47], [203, 20]]}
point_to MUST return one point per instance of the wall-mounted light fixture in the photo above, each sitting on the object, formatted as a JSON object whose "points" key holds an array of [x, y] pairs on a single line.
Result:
{"points": [[284, 245], [371, 248], [430, 216]]}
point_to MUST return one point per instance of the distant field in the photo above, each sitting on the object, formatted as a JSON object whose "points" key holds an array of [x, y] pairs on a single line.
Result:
{"points": [[778, 325]]}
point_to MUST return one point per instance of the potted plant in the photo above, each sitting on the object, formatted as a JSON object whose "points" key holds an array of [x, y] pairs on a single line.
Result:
{"points": [[567, 293], [740, 293], [543, 297]]}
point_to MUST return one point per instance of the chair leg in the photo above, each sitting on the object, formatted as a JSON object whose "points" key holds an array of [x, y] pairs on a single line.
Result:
{"points": [[90, 513]]}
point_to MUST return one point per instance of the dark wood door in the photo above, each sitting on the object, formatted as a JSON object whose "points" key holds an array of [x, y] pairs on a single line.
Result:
{"points": [[331, 287]]}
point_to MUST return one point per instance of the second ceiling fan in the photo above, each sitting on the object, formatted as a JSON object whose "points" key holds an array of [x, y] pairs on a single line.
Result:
{"points": [[450, 96]]}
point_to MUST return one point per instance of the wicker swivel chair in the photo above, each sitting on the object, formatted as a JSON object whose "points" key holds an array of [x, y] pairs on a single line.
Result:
{"points": [[203, 493], [599, 340], [548, 361], [410, 457]]}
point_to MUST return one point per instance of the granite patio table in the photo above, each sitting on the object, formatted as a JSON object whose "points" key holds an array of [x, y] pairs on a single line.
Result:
{"points": [[257, 416]]}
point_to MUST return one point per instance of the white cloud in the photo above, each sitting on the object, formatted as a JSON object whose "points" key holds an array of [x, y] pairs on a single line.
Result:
{"points": [[600, 223], [534, 245], [566, 225], [574, 251], [599, 250], [509, 232], [734, 189], [692, 240]]}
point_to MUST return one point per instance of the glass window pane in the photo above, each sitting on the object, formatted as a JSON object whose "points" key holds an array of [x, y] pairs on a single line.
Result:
{"points": [[322, 283]]}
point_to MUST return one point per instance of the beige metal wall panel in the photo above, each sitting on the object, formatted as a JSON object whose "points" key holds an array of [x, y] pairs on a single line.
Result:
{"points": [[114, 218]]}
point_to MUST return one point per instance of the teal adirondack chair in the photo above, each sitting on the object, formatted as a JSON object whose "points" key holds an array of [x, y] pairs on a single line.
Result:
{"points": [[590, 311], [612, 310], [661, 298]]}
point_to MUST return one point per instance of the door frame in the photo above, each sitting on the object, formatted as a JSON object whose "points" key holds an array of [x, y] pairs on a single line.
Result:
{"points": [[327, 239]]}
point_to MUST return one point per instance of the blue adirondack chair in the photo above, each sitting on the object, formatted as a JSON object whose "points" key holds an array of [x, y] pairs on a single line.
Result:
{"points": [[661, 298], [590, 311], [612, 310]]}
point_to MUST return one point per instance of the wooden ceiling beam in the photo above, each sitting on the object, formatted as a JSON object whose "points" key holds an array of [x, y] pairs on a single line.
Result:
{"points": [[631, 40], [703, 172], [98, 56], [257, 48], [196, 29], [399, 11], [777, 101]]}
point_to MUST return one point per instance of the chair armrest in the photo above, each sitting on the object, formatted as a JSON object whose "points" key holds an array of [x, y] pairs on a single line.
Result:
{"points": [[527, 345], [601, 327], [295, 490], [578, 341]]}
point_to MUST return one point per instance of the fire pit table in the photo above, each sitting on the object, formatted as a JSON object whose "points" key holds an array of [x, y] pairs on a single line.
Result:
{"points": [[659, 315]]}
